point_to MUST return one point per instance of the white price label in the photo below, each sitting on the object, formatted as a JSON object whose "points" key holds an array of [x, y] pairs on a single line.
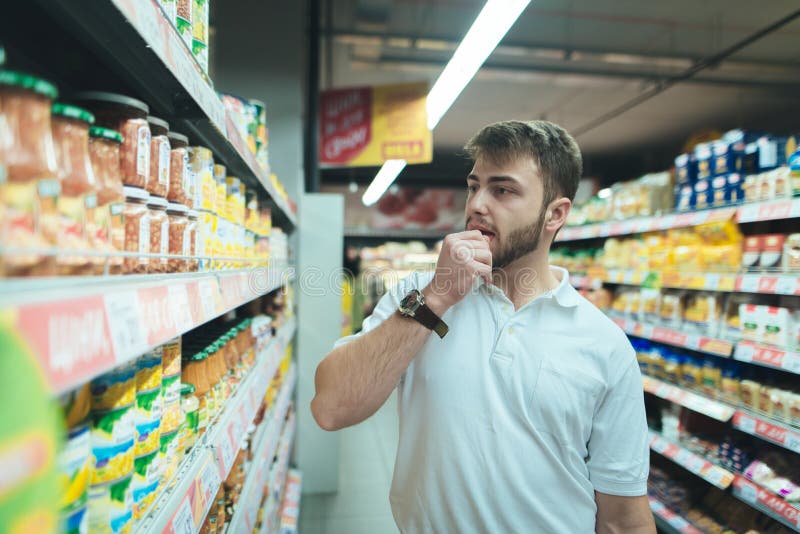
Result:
{"points": [[227, 452], [183, 522], [747, 424], [695, 464], [744, 352], [748, 213], [792, 442], [208, 290], [786, 285], [711, 281], [128, 334], [715, 475], [749, 493], [656, 506], [678, 522], [683, 457], [693, 341], [750, 283], [791, 362], [210, 480], [659, 446], [179, 306]]}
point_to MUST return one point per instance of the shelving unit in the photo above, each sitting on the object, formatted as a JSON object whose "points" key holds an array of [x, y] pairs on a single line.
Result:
{"points": [[713, 474], [290, 507], [767, 502], [766, 356], [676, 338], [768, 429], [278, 477], [712, 408], [670, 522]]}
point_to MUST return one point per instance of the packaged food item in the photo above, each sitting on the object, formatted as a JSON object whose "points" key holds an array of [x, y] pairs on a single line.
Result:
{"points": [[181, 181], [791, 253], [192, 216], [111, 507], [179, 237], [137, 230], [692, 372], [262, 136], [149, 411], [207, 245], [75, 405], [31, 186], [750, 393], [751, 255], [77, 201], [794, 171], [765, 185], [76, 520], [158, 180], [195, 373], [159, 234], [109, 225], [712, 377], [190, 406], [705, 161], [171, 357], [719, 191], [112, 437], [148, 370], [650, 304], [115, 389], [702, 312], [74, 462], [202, 163], [730, 383], [220, 198], [146, 480], [750, 322], [183, 20], [172, 416], [776, 325], [233, 192], [779, 400], [794, 408], [200, 32], [169, 455], [673, 367], [170, 10], [735, 193], [671, 309], [129, 117], [772, 251]]}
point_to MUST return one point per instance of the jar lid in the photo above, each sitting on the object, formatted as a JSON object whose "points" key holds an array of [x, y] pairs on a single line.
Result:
{"points": [[197, 356], [158, 202], [112, 98], [187, 389], [257, 103], [177, 208], [192, 214], [136, 193], [105, 133], [26, 81], [178, 138], [160, 124], [72, 112]]}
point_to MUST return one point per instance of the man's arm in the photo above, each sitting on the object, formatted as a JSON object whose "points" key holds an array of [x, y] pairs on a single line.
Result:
{"points": [[623, 515], [355, 379]]}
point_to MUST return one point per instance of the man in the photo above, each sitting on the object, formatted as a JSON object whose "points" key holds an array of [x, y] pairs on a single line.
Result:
{"points": [[521, 405]]}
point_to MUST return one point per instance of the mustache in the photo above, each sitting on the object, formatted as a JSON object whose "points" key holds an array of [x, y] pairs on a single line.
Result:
{"points": [[480, 222]]}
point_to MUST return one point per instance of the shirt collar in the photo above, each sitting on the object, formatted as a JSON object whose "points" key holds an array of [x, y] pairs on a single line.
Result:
{"points": [[564, 294]]}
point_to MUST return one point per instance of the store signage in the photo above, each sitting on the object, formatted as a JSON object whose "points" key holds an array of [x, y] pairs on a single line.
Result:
{"points": [[365, 126]]}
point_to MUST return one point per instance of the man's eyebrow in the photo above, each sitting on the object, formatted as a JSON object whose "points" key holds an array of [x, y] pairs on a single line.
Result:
{"points": [[495, 179]]}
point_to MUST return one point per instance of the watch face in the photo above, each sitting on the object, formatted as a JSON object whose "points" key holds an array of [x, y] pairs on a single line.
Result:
{"points": [[410, 302]]}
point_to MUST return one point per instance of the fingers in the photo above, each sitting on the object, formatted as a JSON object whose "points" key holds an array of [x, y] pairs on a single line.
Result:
{"points": [[469, 235], [483, 271], [483, 256]]}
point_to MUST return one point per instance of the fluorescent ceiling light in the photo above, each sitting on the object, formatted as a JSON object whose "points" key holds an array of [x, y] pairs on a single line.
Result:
{"points": [[383, 180], [492, 24]]}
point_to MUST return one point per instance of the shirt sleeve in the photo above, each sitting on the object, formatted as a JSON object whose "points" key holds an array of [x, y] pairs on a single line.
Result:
{"points": [[619, 452]]}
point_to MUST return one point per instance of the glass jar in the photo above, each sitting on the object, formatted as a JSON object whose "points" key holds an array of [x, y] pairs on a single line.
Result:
{"points": [[137, 229], [192, 227], [202, 163], [129, 117], [109, 225], [30, 185], [158, 181], [193, 372], [159, 234], [181, 182], [190, 406], [77, 202], [214, 380], [218, 360], [179, 237]]}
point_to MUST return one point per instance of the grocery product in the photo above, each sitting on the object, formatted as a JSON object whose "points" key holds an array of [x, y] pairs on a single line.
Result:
{"points": [[109, 225], [172, 414], [791, 253], [771, 251], [169, 455], [149, 411], [159, 175], [148, 370], [75, 405], [181, 181], [183, 20], [194, 372], [200, 10], [115, 389], [127, 116], [74, 462], [31, 186], [179, 237], [146, 480], [752, 252], [112, 436], [190, 406], [137, 230], [111, 507], [202, 164], [702, 312], [171, 358], [159, 234], [220, 198], [192, 264]]}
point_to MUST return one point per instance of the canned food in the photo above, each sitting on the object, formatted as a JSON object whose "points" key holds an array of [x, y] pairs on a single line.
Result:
{"points": [[76, 521], [114, 389], [148, 371], [170, 455], [146, 478], [173, 414], [149, 411], [74, 467], [75, 405], [112, 436], [111, 507], [171, 358]]}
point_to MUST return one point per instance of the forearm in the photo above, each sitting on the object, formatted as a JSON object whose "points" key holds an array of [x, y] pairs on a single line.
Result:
{"points": [[623, 515], [354, 380]]}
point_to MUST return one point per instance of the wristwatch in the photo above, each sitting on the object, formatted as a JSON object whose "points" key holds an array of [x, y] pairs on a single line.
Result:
{"points": [[413, 306]]}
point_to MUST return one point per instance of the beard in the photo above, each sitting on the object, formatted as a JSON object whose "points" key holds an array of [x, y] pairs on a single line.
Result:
{"points": [[520, 242]]}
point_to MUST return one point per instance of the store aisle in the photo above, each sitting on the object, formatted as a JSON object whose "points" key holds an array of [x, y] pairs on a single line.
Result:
{"points": [[366, 461]]}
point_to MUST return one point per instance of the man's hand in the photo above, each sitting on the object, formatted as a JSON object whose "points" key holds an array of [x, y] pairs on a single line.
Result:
{"points": [[464, 257]]}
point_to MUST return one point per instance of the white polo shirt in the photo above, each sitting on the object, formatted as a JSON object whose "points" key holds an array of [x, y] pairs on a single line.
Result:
{"points": [[513, 420]]}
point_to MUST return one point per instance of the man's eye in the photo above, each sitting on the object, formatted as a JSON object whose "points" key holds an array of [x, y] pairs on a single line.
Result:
{"points": [[502, 191], [472, 188]]}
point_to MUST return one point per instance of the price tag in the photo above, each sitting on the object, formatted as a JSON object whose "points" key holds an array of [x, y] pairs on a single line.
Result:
{"points": [[715, 475], [746, 424], [227, 454], [683, 457], [747, 213], [678, 522], [786, 285], [179, 307], [749, 283], [210, 480], [748, 492], [695, 464], [659, 446], [692, 341], [128, 334], [792, 442], [183, 521], [744, 352], [791, 362], [208, 291]]}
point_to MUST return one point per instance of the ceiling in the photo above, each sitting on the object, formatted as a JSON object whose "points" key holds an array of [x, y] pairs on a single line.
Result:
{"points": [[573, 62]]}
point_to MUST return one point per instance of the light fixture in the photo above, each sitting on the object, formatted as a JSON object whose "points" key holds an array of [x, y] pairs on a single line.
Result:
{"points": [[604, 193], [391, 168], [492, 24]]}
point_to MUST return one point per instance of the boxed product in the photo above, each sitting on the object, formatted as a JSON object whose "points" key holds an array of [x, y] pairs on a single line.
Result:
{"points": [[705, 161], [772, 251], [702, 312], [719, 191], [671, 311], [735, 192], [751, 251], [728, 157], [791, 253], [767, 324], [685, 168], [684, 197], [650, 305], [702, 194]]}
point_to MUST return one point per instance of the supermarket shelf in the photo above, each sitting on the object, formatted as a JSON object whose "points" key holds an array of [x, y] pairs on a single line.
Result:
{"points": [[676, 338], [768, 429], [79, 328], [746, 213], [290, 507], [763, 283], [714, 409], [670, 522], [265, 445], [767, 502], [767, 356], [158, 68], [404, 234], [278, 477], [181, 509], [711, 473]]}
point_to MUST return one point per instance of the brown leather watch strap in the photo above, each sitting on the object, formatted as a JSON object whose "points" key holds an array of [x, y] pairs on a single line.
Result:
{"points": [[430, 320]]}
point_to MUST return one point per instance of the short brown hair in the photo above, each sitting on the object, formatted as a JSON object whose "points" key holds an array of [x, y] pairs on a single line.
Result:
{"points": [[549, 145]]}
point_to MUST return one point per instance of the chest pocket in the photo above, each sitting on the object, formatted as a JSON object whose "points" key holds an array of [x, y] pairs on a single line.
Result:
{"points": [[563, 404]]}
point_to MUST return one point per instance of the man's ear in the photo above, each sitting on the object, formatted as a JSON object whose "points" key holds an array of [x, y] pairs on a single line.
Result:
{"points": [[557, 213]]}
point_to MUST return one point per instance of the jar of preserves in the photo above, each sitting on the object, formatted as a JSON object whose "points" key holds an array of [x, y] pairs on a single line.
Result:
{"points": [[159, 234], [77, 202], [202, 163], [192, 264], [129, 117], [31, 185], [193, 372], [179, 237], [158, 181], [137, 230], [181, 182], [190, 406], [109, 225]]}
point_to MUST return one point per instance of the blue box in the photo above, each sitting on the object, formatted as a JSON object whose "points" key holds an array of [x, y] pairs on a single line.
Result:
{"points": [[718, 194], [750, 163], [702, 194], [735, 188], [684, 197], [685, 168], [705, 161], [728, 157]]}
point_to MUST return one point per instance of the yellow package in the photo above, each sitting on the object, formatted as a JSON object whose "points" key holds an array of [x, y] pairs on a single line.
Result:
{"points": [[671, 311]]}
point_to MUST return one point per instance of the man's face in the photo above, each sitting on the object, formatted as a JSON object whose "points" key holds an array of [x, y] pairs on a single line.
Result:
{"points": [[505, 203]]}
